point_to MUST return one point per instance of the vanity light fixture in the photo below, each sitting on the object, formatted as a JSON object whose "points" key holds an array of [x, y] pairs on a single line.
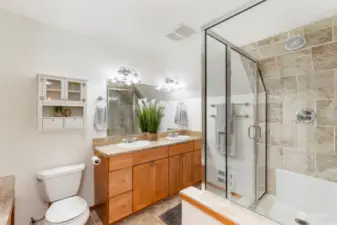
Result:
{"points": [[169, 85], [127, 77]]}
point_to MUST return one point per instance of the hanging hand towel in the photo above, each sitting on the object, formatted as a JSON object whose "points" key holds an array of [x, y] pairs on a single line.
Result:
{"points": [[181, 118], [101, 118]]}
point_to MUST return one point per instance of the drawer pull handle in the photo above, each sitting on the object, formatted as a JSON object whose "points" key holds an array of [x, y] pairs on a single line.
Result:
{"points": [[124, 205], [123, 181]]}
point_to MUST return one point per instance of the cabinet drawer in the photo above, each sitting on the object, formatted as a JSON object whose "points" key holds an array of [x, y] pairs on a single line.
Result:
{"points": [[52, 123], [197, 145], [181, 148], [120, 181], [74, 123], [120, 162], [149, 155], [120, 207]]}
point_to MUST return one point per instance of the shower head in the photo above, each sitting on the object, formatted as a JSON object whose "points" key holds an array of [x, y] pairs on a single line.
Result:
{"points": [[294, 43]]}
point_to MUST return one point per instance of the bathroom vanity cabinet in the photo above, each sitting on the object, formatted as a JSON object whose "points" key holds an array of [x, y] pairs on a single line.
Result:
{"points": [[61, 103], [127, 183]]}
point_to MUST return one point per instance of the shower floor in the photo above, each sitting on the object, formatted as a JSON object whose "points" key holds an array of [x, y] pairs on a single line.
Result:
{"points": [[286, 214]]}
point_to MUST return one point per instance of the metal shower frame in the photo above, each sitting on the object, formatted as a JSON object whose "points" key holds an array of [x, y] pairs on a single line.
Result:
{"points": [[206, 31]]}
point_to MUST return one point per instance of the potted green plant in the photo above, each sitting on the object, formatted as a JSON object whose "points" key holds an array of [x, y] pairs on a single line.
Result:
{"points": [[58, 111], [141, 117], [154, 114]]}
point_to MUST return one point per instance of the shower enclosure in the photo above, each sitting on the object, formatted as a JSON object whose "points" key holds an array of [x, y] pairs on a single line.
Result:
{"points": [[234, 122]]}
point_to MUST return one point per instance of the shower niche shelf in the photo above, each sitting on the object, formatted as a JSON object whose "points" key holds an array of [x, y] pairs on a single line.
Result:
{"points": [[61, 103]]}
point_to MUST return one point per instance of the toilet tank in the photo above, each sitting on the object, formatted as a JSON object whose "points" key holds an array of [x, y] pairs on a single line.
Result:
{"points": [[59, 182]]}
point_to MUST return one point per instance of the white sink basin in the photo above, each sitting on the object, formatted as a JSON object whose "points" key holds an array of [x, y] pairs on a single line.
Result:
{"points": [[178, 138], [136, 144]]}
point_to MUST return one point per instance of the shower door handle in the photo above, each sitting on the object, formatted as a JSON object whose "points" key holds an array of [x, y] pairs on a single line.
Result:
{"points": [[257, 132]]}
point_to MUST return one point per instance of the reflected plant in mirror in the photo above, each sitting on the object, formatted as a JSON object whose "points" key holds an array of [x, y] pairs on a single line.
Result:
{"points": [[141, 116], [154, 116]]}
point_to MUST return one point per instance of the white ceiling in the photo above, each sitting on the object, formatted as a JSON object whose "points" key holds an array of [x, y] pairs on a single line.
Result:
{"points": [[144, 24]]}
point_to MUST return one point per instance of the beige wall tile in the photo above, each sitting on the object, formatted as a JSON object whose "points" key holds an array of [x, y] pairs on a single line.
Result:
{"points": [[8, 187], [299, 162], [275, 112], [318, 25], [316, 139], [272, 50], [295, 63], [319, 37], [326, 166], [273, 39], [325, 56], [297, 31], [283, 88], [326, 112], [261, 154], [275, 157], [334, 20], [269, 68], [263, 135], [334, 36], [320, 85], [271, 179], [335, 140], [284, 135]]}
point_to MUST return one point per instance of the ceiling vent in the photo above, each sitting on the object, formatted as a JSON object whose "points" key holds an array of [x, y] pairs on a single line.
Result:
{"points": [[180, 32]]}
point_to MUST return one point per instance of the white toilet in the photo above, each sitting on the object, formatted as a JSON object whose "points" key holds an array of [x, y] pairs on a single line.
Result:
{"points": [[59, 186]]}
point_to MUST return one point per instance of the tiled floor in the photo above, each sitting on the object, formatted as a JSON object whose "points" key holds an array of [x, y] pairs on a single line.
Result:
{"points": [[148, 216]]}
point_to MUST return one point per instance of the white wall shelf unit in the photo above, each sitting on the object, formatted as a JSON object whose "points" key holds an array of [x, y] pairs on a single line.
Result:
{"points": [[57, 95]]}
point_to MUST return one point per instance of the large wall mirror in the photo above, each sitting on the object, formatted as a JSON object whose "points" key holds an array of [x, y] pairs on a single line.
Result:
{"points": [[122, 101]]}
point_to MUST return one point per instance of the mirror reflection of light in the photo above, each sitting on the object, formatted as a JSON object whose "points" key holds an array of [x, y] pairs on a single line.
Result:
{"points": [[126, 76]]}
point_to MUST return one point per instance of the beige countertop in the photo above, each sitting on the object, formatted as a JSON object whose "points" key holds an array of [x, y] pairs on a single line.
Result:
{"points": [[6, 206], [113, 150]]}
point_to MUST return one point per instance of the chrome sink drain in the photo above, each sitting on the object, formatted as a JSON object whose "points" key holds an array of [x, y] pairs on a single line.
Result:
{"points": [[301, 222]]}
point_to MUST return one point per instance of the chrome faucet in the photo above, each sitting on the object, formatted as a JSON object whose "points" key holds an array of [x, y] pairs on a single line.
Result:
{"points": [[173, 134], [129, 140]]}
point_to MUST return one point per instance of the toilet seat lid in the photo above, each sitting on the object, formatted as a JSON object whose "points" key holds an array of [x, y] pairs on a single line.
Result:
{"points": [[66, 209]]}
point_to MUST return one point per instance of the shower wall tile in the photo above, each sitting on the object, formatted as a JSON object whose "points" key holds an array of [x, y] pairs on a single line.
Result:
{"points": [[275, 112], [295, 63], [320, 85], [272, 50], [271, 178], [317, 139], [271, 40], [275, 158], [252, 50], [334, 35], [299, 162], [261, 154], [326, 167], [285, 135], [318, 25], [297, 32], [334, 20], [325, 56], [335, 141], [269, 68], [326, 112], [319, 37], [283, 88]]}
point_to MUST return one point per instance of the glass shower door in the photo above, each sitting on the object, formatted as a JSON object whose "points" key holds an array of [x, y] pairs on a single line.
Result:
{"points": [[234, 103], [214, 114]]}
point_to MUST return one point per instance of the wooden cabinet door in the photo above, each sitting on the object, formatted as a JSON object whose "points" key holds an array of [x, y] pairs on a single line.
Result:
{"points": [[160, 173], [142, 186], [196, 167], [175, 174], [187, 170]]}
